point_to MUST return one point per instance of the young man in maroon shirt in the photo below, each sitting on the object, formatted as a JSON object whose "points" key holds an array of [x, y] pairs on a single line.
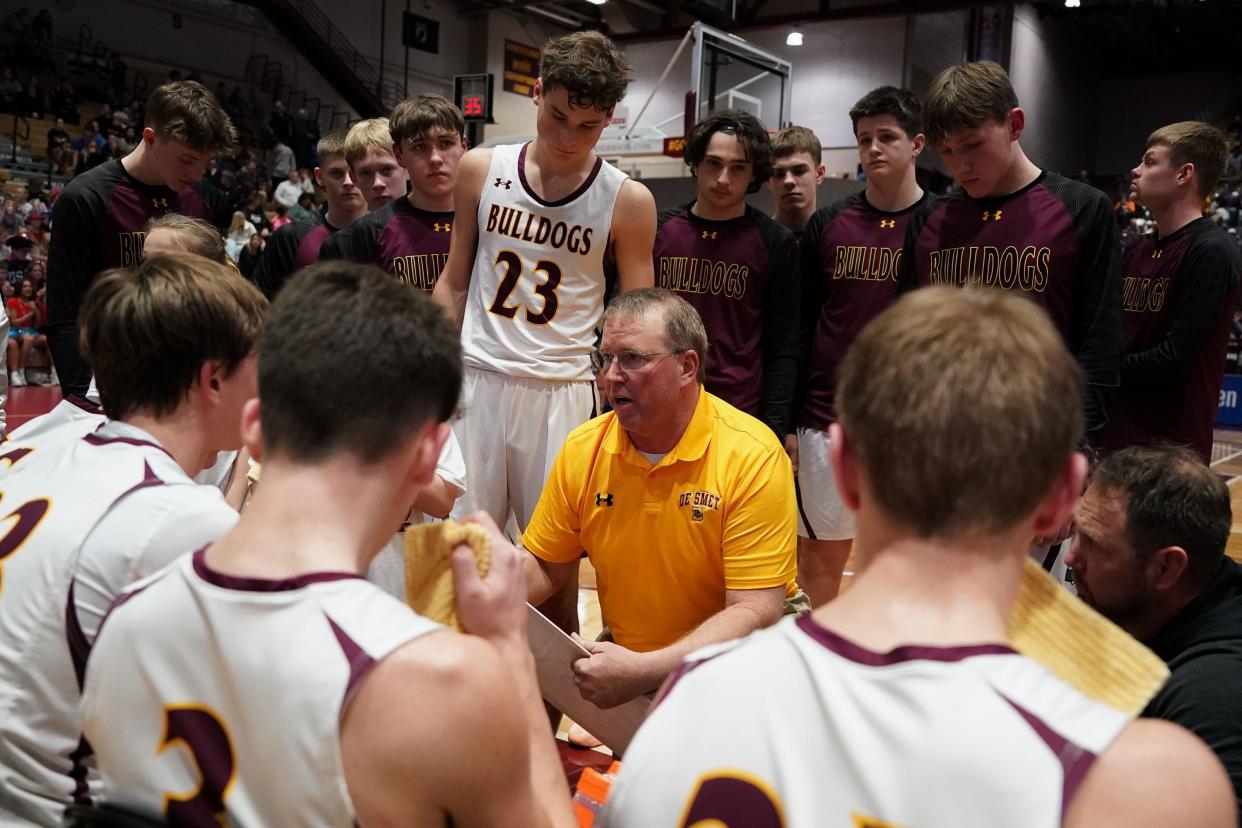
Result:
{"points": [[1179, 294]]}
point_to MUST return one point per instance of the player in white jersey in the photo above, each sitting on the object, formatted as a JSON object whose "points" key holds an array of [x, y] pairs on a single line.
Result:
{"points": [[900, 703], [172, 345], [262, 681], [538, 229]]}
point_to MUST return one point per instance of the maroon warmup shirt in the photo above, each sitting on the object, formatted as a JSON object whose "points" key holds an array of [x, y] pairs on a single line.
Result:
{"points": [[851, 253], [741, 275], [1054, 241], [410, 243], [1179, 296], [289, 249], [98, 224]]}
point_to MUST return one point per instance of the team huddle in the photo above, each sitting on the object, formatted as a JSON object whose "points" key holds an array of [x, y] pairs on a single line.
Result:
{"points": [[183, 644]]}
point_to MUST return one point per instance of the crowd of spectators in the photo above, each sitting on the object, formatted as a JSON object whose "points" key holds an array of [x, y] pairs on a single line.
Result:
{"points": [[96, 117]]}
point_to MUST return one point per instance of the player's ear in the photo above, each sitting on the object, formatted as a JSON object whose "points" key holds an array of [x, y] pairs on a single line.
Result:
{"points": [[1017, 123], [1166, 567], [210, 373], [919, 141], [148, 135], [1184, 172], [536, 94], [1057, 507], [844, 466], [820, 172], [424, 448], [252, 428]]}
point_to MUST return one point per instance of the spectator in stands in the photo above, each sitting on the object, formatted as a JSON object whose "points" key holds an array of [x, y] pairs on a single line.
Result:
{"points": [[118, 73], [280, 163], [103, 120], [240, 232], [1150, 555], [59, 151], [129, 140], [253, 210], [308, 181], [287, 191], [90, 135], [305, 209], [300, 138], [24, 335], [65, 102], [17, 265], [282, 217], [250, 254], [10, 92], [280, 124], [34, 101]]}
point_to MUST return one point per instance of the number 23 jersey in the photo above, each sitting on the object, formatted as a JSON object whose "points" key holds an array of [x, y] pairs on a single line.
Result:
{"points": [[538, 283]]}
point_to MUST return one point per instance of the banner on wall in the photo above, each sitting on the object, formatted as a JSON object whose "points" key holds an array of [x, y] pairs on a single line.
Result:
{"points": [[521, 68]]}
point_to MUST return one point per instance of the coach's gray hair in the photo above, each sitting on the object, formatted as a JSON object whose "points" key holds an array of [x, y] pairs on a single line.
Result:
{"points": [[683, 327]]}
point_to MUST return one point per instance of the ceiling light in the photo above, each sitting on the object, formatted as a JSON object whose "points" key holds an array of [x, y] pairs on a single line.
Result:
{"points": [[597, 2], [794, 38], [1072, 4]]}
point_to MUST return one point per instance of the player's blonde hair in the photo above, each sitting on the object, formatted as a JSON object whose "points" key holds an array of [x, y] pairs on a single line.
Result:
{"points": [[331, 145], [963, 407], [199, 237], [1197, 143], [364, 136]]}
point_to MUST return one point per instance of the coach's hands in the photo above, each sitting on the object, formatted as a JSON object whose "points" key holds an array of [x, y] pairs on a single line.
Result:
{"points": [[611, 675], [492, 607]]}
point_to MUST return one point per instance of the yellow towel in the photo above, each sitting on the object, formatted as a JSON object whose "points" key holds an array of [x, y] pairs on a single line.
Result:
{"points": [[429, 570], [1082, 647]]}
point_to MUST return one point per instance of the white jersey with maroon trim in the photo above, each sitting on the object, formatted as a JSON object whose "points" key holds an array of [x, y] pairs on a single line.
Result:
{"points": [[212, 699], [796, 726], [82, 520], [70, 419], [538, 284]]}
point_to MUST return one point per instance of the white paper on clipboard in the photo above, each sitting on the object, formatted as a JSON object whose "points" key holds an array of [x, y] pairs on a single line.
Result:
{"points": [[554, 652]]}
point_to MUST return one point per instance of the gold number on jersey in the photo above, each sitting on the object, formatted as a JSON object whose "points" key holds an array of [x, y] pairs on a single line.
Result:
{"points": [[546, 288], [732, 799], [200, 730], [21, 522]]}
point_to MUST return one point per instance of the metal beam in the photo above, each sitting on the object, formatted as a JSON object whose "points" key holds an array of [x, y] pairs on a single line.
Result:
{"points": [[892, 8]]}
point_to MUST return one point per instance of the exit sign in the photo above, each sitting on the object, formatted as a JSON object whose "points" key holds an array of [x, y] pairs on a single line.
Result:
{"points": [[473, 95]]}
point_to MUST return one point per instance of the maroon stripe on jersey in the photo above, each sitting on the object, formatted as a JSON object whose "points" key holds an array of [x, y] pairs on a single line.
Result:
{"points": [[1075, 760], [95, 440], [84, 404], [586, 185], [308, 248], [79, 647], [78, 772], [241, 584], [121, 599], [359, 662], [913, 652], [682, 669]]}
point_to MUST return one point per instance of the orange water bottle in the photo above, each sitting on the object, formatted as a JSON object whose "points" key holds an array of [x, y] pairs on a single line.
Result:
{"points": [[592, 793]]}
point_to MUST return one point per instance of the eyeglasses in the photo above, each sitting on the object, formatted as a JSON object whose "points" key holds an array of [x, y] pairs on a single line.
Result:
{"points": [[627, 361]]}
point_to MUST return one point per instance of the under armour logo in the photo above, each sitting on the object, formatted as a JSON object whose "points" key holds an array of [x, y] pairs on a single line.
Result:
{"points": [[442, 228], [159, 203], [708, 234], [990, 216], [1157, 253], [603, 499], [887, 223], [503, 182]]}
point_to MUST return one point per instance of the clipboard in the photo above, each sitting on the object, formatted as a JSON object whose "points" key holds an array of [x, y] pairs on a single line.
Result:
{"points": [[554, 651]]}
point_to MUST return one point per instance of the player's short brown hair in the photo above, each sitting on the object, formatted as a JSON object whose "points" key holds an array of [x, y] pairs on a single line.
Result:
{"points": [[795, 139], [146, 331], [944, 398], [683, 327], [186, 112], [902, 104], [749, 132], [404, 359], [965, 96], [588, 66], [1194, 142], [364, 136], [331, 145], [199, 237], [414, 117]]}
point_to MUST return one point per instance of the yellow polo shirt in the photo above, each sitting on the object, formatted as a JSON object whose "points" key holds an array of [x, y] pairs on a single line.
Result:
{"points": [[717, 512]]}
